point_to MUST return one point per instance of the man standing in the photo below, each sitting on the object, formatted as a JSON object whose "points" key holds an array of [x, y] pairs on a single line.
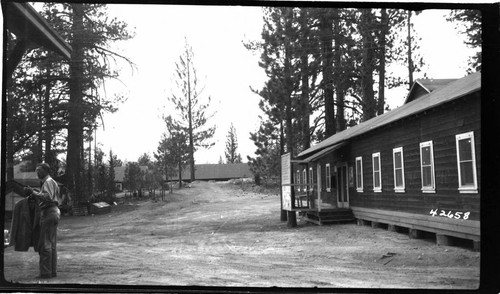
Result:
{"points": [[49, 218]]}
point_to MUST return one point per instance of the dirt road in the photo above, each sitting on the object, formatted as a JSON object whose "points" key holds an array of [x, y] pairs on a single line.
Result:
{"points": [[214, 234]]}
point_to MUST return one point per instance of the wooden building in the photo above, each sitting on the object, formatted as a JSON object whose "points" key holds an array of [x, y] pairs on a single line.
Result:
{"points": [[417, 167], [216, 172], [120, 175]]}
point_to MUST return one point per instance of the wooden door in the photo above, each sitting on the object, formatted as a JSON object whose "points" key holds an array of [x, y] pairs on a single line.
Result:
{"points": [[342, 186]]}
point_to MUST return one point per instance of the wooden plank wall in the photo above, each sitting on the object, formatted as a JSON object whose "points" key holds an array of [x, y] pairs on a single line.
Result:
{"points": [[440, 125]]}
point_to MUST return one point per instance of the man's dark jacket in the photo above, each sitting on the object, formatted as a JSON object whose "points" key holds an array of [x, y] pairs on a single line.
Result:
{"points": [[25, 229]]}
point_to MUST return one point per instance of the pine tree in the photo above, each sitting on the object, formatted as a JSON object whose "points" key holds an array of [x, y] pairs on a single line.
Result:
{"points": [[144, 160], [267, 164], [173, 150], [231, 152], [468, 23], [111, 176], [68, 90], [133, 176], [192, 114]]}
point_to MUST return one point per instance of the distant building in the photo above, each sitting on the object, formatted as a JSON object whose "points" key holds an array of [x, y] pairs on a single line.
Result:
{"points": [[216, 172], [120, 175]]}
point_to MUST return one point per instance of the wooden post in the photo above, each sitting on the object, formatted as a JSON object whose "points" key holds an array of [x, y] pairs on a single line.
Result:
{"points": [[391, 228], [476, 246], [443, 240], [291, 219], [283, 216], [416, 234], [362, 222]]}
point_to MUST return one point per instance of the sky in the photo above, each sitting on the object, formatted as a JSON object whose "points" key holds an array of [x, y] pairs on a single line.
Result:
{"points": [[226, 69], [224, 66]]}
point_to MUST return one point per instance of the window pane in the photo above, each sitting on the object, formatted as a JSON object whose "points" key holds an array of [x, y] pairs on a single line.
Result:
{"points": [[426, 155], [426, 176], [375, 163], [465, 149], [397, 160], [377, 180], [399, 178], [466, 173]]}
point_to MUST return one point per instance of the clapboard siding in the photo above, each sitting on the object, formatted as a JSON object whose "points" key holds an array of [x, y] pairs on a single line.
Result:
{"points": [[440, 125]]}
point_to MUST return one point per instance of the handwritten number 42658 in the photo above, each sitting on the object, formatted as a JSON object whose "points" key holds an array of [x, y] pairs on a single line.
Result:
{"points": [[457, 215]]}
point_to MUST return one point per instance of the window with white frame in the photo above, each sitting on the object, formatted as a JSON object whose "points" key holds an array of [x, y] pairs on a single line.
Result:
{"points": [[427, 167], [328, 178], [304, 181], [311, 179], [377, 172], [466, 161], [399, 169], [359, 174]]}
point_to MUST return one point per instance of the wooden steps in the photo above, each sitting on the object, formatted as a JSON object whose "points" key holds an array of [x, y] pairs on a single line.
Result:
{"points": [[328, 216]]}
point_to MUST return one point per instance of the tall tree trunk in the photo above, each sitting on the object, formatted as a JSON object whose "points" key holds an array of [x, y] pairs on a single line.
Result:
{"points": [[288, 87], [89, 172], [9, 138], [410, 62], [337, 72], [384, 29], [367, 65], [282, 138], [326, 38], [190, 116], [75, 126], [49, 158], [40, 134], [9, 154], [180, 174], [304, 107]]}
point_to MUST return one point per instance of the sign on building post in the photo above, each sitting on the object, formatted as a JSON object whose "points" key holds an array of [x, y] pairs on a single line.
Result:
{"points": [[286, 181]]}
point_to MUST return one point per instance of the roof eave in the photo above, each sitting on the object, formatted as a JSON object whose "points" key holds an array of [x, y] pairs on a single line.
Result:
{"points": [[356, 132], [23, 19]]}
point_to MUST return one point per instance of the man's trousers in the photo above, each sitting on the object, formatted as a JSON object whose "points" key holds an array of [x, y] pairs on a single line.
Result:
{"points": [[49, 219]]}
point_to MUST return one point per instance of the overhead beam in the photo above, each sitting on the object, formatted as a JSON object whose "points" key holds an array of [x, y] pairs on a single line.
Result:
{"points": [[28, 25]]}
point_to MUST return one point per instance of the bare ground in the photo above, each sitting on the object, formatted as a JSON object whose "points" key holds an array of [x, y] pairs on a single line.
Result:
{"points": [[215, 234]]}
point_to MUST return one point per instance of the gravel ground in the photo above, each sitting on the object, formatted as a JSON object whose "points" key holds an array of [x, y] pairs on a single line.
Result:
{"points": [[215, 234]]}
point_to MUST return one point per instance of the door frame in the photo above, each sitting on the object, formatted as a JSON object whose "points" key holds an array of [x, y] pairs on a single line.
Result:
{"points": [[318, 173], [342, 170]]}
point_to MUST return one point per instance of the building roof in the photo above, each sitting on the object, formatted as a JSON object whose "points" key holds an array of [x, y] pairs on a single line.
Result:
{"points": [[451, 91], [120, 172], [324, 151], [25, 22], [217, 172], [424, 86]]}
